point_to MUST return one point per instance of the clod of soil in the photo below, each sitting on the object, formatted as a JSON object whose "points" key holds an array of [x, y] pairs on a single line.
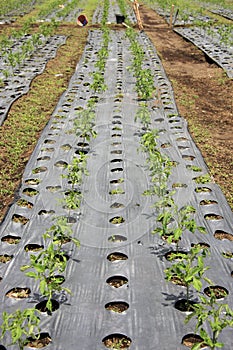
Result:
{"points": [[117, 281], [221, 235], [116, 256], [42, 340], [10, 239], [219, 291], [191, 339], [5, 258], [117, 306], [117, 341], [42, 306], [18, 293], [31, 247]]}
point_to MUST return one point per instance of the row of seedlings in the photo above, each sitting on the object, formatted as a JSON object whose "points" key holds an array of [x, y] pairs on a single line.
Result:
{"points": [[187, 266], [23, 57], [61, 207]]}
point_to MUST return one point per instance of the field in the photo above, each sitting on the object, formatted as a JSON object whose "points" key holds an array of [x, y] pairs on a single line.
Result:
{"points": [[116, 150]]}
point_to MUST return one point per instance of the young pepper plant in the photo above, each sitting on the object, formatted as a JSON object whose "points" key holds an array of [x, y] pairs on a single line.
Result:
{"points": [[45, 268], [216, 315], [20, 325], [176, 221], [188, 270]]}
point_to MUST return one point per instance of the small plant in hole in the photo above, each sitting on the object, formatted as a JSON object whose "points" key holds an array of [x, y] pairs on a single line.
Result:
{"points": [[61, 232], [217, 316], [189, 271], [20, 325], [117, 191], [175, 221], [45, 267]]}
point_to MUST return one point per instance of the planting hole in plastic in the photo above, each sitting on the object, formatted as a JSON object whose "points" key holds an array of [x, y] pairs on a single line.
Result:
{"points": [[24, 203], [191, 339], [117, 341], [40, 169], [53, 189], [5, 258], [117, 281], [42, 306], [221, 235], [18, 293], [10, 239], [61, 164], [20, 219], [117, 239], [30, 192], [33, 247], [117, 306], [219, 291], [117, 220], [212, 216], [116, 256], [40, 341]]}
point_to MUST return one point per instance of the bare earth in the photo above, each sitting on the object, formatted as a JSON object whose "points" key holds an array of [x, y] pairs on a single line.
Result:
{"points": [[204, 96]]}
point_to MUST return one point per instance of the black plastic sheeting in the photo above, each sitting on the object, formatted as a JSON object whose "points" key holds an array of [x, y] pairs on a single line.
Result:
{"points": [[18, 84], [113, 10], [82, 320], [227, 13], [221, 54]]}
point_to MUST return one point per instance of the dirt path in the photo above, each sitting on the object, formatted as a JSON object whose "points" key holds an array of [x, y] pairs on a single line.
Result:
{"points": [[204, 96]]}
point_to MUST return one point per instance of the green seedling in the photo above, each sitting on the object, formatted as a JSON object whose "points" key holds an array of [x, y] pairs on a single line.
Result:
{"points": [[188, 270], [20, 325], [117, 191], [144, 116], [45, 266], [175, 221], [216, 315], [61, 233]]}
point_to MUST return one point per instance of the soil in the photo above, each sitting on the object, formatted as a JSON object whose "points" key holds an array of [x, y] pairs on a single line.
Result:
{"points": [[203, 93]]}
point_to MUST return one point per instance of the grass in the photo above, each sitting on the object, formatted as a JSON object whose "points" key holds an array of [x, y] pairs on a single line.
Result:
{"points": [[30, 113]]}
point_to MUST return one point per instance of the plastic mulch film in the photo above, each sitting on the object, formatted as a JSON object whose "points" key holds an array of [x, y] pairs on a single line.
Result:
{"points": [[227, 13], [221, 54], [113, 11], [135, 282], [18, 84]]}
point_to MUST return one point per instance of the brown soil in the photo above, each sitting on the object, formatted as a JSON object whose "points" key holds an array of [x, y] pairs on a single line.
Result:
{"points": [[204, 96]]}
